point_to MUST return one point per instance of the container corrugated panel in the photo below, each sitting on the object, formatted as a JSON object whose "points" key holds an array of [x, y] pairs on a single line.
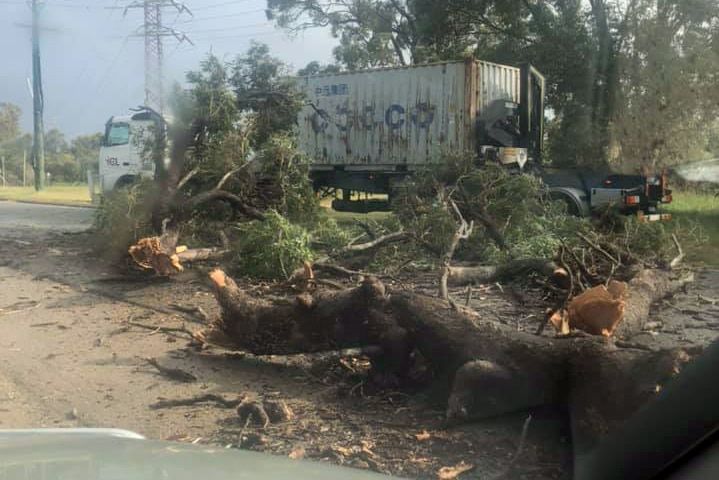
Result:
{"points": [[381, 119]]}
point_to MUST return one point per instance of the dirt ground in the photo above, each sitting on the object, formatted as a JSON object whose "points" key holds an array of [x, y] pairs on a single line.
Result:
{"points": [[75, 336]]}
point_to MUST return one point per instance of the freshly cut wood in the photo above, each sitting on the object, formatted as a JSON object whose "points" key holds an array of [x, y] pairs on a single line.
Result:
{"points": [[463, 275], [158, 254], [597, 310], [620, 309], [163, 256]]}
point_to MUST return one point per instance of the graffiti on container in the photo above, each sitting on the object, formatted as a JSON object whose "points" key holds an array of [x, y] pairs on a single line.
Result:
{"points": [[332, 90], [421, 116]]}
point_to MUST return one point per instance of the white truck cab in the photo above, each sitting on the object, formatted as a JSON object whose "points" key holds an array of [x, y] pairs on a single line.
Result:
{"points": [[123, 158]]}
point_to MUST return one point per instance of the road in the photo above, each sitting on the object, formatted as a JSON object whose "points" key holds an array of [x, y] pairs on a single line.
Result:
{"points": [[75, 337], [65, 357], [13, 214]]}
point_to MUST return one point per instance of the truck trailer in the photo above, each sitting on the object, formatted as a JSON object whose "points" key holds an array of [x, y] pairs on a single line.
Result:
{"points": [[367, 130]]}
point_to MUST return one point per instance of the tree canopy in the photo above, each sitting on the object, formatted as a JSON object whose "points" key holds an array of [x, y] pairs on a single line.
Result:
{"points": [[630, 83]]}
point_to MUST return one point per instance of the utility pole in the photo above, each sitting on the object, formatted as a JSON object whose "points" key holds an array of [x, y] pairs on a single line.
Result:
{"points": [[154, 31], [38, 137], [24, 165]]}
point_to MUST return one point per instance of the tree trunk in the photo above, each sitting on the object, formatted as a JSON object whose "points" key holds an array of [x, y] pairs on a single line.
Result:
{"points": [[326, 321], [485, 367], [492, 369], [647, 287]]}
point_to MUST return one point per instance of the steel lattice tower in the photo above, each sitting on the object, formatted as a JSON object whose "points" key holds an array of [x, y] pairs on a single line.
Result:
{"points": [[153, 55], [153, 32]]}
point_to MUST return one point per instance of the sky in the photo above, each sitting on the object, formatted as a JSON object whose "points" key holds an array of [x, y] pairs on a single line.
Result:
{"points": [[92, 65]]}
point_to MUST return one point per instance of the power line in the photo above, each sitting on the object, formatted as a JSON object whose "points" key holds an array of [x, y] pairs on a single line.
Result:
{"points": [[153, 30], [104, 76], [248, 34], [236, 14], [64, 5], [215, 5], [236, 27]]}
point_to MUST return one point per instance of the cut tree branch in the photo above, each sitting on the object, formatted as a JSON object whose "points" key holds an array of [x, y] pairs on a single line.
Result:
{"points": [[463, 232], [378, 242], [187, 177], [599, 249], [484, 274], [680, 253]]}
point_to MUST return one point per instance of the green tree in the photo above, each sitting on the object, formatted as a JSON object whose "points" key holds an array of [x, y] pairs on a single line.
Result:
{"points": [[86, 151], [55, 142], [63, 167], [668, 90], [9, 121], [264, 88], [211, 97], [224, 143], [13, 151], [371, 33], [316, 68]]}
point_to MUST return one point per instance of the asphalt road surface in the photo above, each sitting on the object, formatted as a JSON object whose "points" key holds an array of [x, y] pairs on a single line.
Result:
{"points": [[13, 214]]}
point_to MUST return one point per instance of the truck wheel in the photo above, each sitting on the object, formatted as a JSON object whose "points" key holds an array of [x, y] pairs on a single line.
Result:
{"points": [[572, 207], [124, 182]]}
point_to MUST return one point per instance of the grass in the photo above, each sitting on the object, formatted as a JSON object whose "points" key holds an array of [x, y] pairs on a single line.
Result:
{"points": [[61, 194], [690, 210], [348, 218]]}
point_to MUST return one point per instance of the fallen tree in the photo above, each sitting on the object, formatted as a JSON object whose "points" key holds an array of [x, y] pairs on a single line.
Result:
{"points": [[485, 367]]}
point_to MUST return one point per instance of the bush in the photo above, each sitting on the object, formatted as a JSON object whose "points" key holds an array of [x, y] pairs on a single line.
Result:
{"points": [[328, 236], [122, 218], [289, 172], [271, 249], [518, 205]]}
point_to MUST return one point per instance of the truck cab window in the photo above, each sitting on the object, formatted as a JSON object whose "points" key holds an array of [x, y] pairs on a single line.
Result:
{"points": [[117, 134]]}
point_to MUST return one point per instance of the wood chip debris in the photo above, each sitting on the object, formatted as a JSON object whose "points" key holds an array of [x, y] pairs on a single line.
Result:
{"points": [[450, 473], [422, 436], [297, 454]]}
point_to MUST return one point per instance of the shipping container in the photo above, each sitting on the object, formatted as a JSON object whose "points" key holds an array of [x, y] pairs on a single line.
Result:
{"points": [[399, 118]]}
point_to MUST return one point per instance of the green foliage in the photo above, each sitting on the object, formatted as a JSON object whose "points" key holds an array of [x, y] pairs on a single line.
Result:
{"points": [[262, 85], [371, 33], [650, 241], [224, 144], [315, 68], [86, 150], [271, 249], [14, 150], [328, 236], [122, 218], [530, 225], [9, 121], [209, 97], [669, 89], [63, 167], [629, 84], [288, 171]]}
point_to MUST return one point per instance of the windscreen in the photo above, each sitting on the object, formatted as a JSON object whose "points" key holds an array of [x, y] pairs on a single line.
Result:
{"points": [[117, 134]]}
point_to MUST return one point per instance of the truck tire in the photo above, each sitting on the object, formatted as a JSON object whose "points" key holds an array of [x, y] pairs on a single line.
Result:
{"points": [[572, 207], [125, 181]]}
